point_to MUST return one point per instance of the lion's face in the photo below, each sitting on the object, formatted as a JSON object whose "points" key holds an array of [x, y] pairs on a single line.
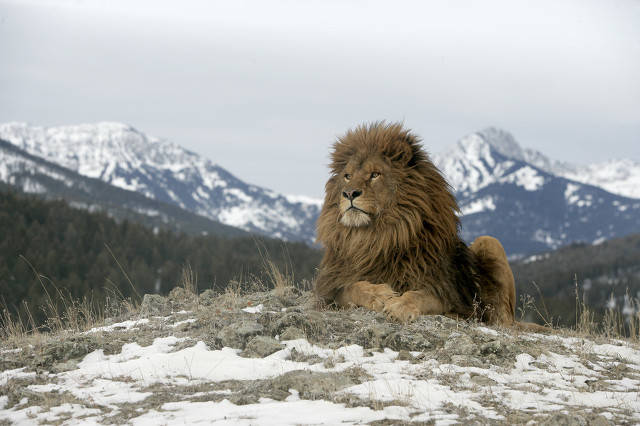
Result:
{"points": [[364, 189], [384, 191]]}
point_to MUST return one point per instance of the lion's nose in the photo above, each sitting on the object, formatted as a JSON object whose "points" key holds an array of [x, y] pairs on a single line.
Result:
{"points": [[352, 195]]}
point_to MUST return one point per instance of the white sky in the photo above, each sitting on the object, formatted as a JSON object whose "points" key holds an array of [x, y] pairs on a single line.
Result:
{"points": [[264, 87]]}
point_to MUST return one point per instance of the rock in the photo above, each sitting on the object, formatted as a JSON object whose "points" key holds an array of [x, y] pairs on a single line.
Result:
{"points": [[405, 355], [561, 419], [243, 398], [61, 351], [460, 344], [407, 340], [261, 346], [371, 336], [313, 385], [70, 364], [482, 380], [237, 336], [154, 304], [180, 295], [598, 420], [492, 347], [288, 296], [291, 319], [207, 297], [443, 322], [292, 333], [466, 361]]}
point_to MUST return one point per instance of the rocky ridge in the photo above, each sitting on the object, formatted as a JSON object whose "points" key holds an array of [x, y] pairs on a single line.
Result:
{"points": [[272, 358]]}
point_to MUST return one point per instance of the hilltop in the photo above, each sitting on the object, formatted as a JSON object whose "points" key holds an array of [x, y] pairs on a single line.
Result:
{"points": [[270, 357]]}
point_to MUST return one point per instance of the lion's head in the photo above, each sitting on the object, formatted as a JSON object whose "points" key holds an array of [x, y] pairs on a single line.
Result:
{"points": [[384, 189]]}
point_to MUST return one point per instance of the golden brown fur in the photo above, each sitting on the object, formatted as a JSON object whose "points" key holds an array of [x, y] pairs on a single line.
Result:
{"points": [[390, 228]]}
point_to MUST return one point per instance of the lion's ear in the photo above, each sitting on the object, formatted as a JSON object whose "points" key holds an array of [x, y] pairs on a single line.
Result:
{"points": [[402, 151]]}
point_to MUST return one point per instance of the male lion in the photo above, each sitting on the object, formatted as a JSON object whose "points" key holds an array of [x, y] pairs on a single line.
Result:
{"points": [[390, 228]]}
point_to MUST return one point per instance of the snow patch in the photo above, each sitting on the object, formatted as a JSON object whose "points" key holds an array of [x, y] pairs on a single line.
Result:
{"points": [[254, 309], [124, 325], [478, 206], [526, 177]]}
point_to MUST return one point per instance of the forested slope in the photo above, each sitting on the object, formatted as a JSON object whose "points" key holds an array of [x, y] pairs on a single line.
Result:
{"points": [[604, 272], [73, 249]]}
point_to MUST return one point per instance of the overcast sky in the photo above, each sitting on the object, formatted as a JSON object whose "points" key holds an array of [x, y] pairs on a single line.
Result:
{"points": [[264, 87]]}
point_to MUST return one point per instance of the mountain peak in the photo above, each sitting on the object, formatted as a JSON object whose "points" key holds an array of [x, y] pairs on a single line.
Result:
{"points": [[503, 142], [480, 145]]}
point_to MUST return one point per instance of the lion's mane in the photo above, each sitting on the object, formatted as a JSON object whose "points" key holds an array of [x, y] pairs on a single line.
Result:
{"points": [[413, 244]]}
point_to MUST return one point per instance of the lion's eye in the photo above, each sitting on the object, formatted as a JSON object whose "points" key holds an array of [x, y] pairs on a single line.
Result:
{"points": [[374, 175], [347, 176]]}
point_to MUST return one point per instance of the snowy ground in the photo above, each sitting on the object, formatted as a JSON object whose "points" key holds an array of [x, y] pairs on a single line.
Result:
{"points": [[279, 362]]}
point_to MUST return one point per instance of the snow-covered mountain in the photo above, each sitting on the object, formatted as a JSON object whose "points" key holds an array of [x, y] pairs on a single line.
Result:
{"points": [[621, 176], [35, 175], [122, 156], [532, 203], [469, 166]]}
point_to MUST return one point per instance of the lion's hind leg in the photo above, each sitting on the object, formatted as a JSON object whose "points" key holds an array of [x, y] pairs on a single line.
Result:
{"points": [[365, 294], [497, 285]]}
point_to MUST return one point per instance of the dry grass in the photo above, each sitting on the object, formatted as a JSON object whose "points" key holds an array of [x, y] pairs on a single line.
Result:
{"points": [[585, 317], [528, 304], [189, 280], [613, 324], [62, 312], [278, 279]]}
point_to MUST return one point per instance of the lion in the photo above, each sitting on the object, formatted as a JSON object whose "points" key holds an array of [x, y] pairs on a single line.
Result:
{"points": [[390, 228]]}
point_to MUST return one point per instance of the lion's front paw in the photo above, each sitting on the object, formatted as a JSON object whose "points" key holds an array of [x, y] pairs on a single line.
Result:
{"points": [[401, 309], [378, 295]]}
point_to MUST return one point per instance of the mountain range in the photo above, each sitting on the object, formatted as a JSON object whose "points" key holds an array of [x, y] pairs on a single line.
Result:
{"points": [[35, 175], [122, 156], [530, 202], [533, 204]]}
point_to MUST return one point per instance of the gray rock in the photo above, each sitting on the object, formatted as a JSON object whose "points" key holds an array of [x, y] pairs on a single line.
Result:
{"points": [[466, 361], [371, 336], [312, 385], [561, 419], [482, 380], [598, 420], [261, 346], [492, 347], [60, 351], [207, 297], [407, 340], [460, 344], [238, 335], [405, 355], [292, 333], [154, 304], [292, 319], [180, 295]]}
